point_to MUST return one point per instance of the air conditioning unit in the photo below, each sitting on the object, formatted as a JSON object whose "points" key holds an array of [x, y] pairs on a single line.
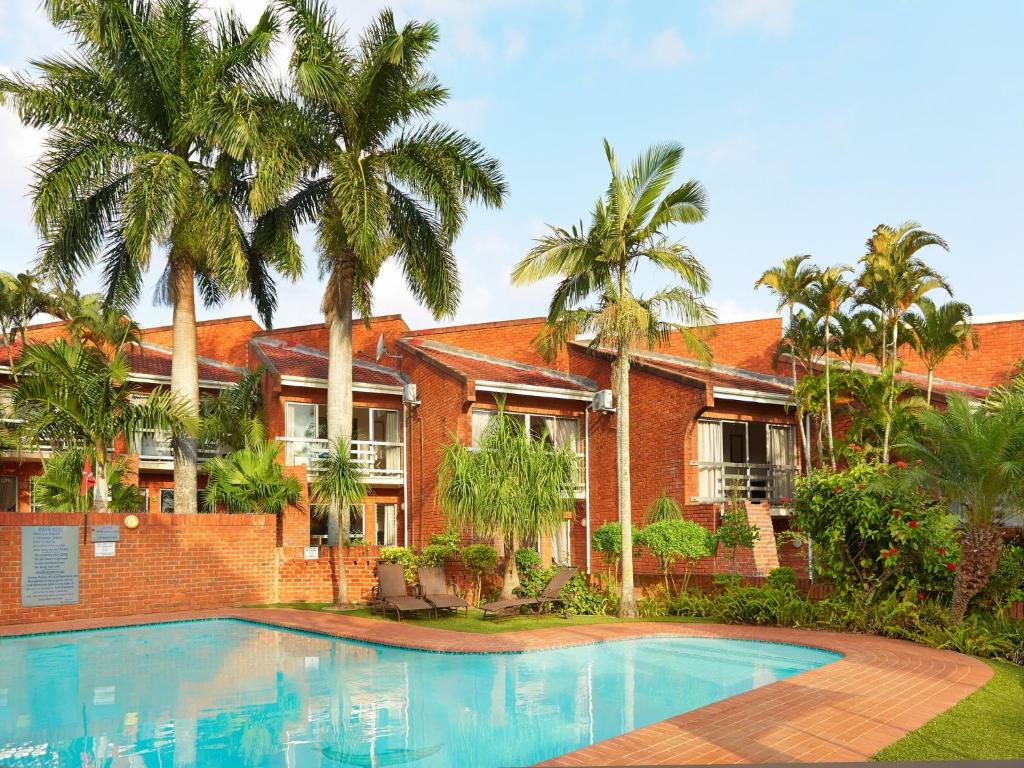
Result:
{"points": [[409, 394], [602, 401]]}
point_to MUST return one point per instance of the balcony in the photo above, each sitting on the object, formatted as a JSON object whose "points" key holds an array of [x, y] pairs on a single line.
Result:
{"points": [[720, 481], [155, 451], [379, 461]]}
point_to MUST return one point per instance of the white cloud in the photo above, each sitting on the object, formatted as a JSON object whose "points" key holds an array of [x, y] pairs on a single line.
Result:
{"points": [[772, 17], [666, 50], [730, 310], [515, 45]]}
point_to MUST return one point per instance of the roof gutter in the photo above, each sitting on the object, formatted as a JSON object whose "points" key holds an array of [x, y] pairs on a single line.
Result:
{"points": [[531, 390], [306, 381], [751, 396]]}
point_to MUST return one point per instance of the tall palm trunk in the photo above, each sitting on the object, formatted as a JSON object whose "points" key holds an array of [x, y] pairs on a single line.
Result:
{"points": [[184, 381], [931, 381], [510, 575], [339, 398], [828, 393], [892, 391], [627, 601], [980, 547], [100, 490]]}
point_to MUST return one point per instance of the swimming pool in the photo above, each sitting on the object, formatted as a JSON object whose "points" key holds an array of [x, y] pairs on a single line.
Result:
{"points": [[230, 693]]}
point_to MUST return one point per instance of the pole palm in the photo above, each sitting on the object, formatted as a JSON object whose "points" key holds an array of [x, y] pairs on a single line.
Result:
{"points": [[938, 331], [94, 322], [628, 226], [71, 395], [826, 294], [379, 179], [22, 298], [972, 458], [150, 121], [856, 334], [789, 283], [894, 278]]}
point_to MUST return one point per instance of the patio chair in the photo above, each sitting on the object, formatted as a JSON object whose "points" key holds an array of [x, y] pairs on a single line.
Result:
{"points": [[434, 589], [548, 596], [392, 593]]}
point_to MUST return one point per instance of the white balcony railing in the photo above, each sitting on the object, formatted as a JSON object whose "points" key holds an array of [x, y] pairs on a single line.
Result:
{"points": [[155, 447], [378, 460], [722, 480]]}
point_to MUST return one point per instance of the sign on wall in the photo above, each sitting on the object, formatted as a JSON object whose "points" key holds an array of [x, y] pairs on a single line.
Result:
{"points": [[311, 553], [105, 549], [49, 565], [105, 533]]}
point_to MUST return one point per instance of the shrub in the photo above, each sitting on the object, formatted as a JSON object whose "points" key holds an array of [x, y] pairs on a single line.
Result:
{"points": [[608, 541], [533, 581], [653, 603], [1006, 585], [663, 508], [442, 547], [692, 603], [781, 577], [404, 557], [735, 531], [477, 559], [871, 539], [581, 599], [671, 540], [527, 559]]}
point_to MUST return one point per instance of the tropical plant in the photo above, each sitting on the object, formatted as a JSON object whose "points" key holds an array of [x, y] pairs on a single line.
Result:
{"points": [[509, 486], [478, 559], [789, 283], [93, 322], [374, 177], [227, 418], [857, 335], [734, 530], [670, 540], [893, 279], [628, 227], [152, 123], [402, 556], [938, 331], [442, 548], [871, 538], [973, 459], [250, 479], [663, 508], [70, 395], [607, 540], [22, 298], [828, 291], [866, 402], [59, 487]]}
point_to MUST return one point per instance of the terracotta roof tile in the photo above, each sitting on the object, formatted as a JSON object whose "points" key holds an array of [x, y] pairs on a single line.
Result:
{"points": [[481, 367], [305, 362]]}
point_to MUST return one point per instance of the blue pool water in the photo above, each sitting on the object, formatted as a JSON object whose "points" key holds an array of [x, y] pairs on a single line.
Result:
{"points": [[230, 693]]}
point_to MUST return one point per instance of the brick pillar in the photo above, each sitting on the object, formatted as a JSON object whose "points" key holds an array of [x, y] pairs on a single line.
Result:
{"points": [[131, 470], [766, 555], [293, 523], [545, 551]]}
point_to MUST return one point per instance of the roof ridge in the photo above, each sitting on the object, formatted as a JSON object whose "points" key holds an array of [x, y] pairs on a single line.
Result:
{"points": [[469, 354], [199, 358], [321, 355], [767, 378]]}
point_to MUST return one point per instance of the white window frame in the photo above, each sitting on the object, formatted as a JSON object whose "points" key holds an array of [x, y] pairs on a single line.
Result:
{"points": [[32, 506], [160, 497], [528, 422], [379, 537], [361, 507], [289, 419]]}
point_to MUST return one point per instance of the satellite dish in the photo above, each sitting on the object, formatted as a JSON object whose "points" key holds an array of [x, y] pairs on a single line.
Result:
{"points": [[381, 349]]}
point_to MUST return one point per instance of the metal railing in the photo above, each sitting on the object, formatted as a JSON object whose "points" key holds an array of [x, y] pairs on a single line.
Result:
{"points": [[723, 480], [377, 459]]}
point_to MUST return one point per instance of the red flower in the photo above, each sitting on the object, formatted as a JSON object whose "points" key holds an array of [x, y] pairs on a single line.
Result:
{"points": [[885, 553], [912, 524], [950, 566], [901, 465], [920, 596], [854, 447], [837, 489], [895, 513], [785, 500], [893, 551], [942, 550]]}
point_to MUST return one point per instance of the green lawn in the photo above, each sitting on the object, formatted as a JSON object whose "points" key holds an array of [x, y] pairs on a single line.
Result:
{"points": [[475, 622], [987, 725]]}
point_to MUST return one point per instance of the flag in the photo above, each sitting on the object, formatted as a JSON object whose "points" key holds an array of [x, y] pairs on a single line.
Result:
{"points": [[88, 478]]}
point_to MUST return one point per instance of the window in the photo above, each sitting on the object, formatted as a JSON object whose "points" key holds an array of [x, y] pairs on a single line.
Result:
{"points": [[356, 522], [144, 500], [167, 500], [305, 420], [387, 525], [32, 505], [560, 544], [561, 431], [9, 493]]}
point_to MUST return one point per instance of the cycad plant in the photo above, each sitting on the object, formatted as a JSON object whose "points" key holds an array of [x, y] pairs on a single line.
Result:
{"points": [[152, 122], [972, 459], [629, 226], [510, 486], [937, 331], [374, 176], [250, 479], [70, 395]]}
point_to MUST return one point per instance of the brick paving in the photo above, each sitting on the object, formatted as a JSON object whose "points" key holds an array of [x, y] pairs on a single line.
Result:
{"points": [[848, 710]]}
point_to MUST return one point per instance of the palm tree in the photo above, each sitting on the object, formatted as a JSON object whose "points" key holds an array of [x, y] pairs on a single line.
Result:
{"points": [[827, 293], [867, 403], [379, 180], [856, 334], [508, 486], [627, 226], [22, 298], [58, 489], [93, 322], [152, 122], [973, 459], [894, 278], [227, 418], [250, 479], [789, 283], [938, 331], [71, 395]]}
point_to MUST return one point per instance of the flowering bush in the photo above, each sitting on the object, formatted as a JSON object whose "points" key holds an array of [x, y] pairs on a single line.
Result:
{"points": [[874, 539]]}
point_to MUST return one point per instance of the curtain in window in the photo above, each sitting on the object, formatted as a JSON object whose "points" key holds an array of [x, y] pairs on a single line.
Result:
{"points": [[781, 458], [560, 544], [301, 421], [481, 420], [709, 449], [8, 494], [565, 433], [387, 524]]}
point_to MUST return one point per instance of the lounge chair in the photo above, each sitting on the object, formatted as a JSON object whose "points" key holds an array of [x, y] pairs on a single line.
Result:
{"points": [[434, 589], [549, 595], [392, 592]]}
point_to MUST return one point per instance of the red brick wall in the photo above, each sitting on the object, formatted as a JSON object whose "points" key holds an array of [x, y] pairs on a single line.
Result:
{"points": [[746, 344], [224, 339], [364, 338], [510, 339]]}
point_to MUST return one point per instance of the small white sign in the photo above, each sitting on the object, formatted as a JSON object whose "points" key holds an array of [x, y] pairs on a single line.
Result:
{"points": [[105, 548], [104, 694], [312, 553], [312, 663]]}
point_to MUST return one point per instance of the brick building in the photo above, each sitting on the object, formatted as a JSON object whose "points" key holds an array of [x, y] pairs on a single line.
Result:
{"points": [[698, 432]]}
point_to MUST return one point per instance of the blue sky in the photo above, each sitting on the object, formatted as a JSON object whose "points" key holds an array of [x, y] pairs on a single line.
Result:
{"points": [[808, 122]]}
